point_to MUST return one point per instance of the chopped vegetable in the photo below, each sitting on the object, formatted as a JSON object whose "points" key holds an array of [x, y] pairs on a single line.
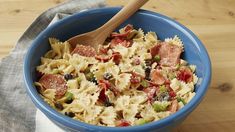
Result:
{"points": [[179, 99], [157, 58], [69, 114], [160, 106], [79, 80], [59, 106], [68, 77], [144, 83], [163, 96], [142, 121], [107, 103], [107, 76], [89, 76], [148, 62], [69, 96], [162, 88], [94, 80], [147, 72]]}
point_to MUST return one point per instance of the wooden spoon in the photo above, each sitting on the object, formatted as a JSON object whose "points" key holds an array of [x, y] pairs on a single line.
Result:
{"points": [[98, 36]]}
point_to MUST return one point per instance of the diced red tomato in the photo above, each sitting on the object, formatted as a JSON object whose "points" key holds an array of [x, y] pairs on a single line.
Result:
{"points": [[123, 123], [116, 57], [185, 74]]}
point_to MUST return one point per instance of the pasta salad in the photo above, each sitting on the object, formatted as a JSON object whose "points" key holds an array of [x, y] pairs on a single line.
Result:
{"points": [[133, 79]]}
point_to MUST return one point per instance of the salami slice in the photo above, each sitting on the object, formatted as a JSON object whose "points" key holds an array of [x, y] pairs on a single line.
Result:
{"points": [[52, 81], [82, 50]]}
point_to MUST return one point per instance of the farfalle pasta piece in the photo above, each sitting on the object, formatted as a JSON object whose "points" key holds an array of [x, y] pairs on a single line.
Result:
{"points": [[52, 66], [88, 87], [151, 37], [91, 113], [175, 40], [78, 62], [101, 68], [122, 82], [108, 116], [139, 37], [122, 102], [58, 48], [130, 112]]}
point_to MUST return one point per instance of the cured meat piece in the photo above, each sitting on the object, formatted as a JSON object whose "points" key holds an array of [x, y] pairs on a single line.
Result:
{"points": [[82, 50], [54, 81], [151, 93], [169, 53], [174, 106], [157, 77], [120, 41], [128, 28], [103, 58], [116, 57]]}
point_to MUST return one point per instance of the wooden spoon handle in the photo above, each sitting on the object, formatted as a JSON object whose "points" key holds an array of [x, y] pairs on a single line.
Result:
{"points": [[122, 15]]}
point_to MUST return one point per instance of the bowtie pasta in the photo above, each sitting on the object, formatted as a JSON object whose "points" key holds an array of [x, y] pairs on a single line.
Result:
{"points": [[133, 79]]}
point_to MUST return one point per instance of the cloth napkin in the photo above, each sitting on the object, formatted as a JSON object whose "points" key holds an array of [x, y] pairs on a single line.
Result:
{"points": [[17, 112]]}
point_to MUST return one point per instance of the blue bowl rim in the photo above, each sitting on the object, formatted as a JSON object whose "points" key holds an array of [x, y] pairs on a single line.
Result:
{"points": [[75, 124]]}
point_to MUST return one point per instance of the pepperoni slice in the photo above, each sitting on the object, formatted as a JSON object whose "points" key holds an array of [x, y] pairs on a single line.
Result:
{"points": [[185, 74], [169, 53], [82, 50], [54, 81], [157, 77]]}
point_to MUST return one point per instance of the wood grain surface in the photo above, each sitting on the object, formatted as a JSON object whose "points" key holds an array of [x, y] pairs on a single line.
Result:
{"points": [[213, 21]]}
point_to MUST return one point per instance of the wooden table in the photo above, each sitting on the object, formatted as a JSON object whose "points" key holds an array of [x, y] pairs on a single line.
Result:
{"points": [[213, 21]]}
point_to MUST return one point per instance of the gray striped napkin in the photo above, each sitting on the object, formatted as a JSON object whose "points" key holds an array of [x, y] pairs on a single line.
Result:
{"points": [[17, 112]]}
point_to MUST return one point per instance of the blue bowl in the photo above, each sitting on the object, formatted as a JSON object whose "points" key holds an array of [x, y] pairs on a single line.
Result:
{"points": [[195, 53]]}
